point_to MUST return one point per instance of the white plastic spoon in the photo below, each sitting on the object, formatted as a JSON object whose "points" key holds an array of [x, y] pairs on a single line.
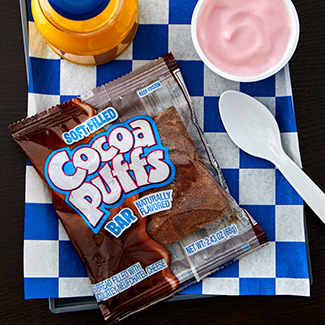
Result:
{"points": [[253, 128]]}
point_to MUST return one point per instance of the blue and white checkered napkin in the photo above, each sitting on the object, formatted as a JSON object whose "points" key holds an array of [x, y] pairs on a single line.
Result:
{"points": [[51, 266]]}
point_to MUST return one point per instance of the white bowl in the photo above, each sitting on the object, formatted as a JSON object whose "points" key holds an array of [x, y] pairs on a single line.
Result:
{"points": [[291, 47]]}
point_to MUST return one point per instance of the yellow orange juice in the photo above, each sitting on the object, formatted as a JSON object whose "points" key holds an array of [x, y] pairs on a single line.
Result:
{"points": [[89, 41]]}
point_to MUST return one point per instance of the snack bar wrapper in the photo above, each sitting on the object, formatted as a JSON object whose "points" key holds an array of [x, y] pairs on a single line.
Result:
{"points": [[137, 188]]}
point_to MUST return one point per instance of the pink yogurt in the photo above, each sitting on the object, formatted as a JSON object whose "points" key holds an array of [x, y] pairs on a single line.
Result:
{"points": [[243, 37]]}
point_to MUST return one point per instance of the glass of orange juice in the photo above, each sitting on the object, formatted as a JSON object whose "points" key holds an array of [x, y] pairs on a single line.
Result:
{"points": [[87, 32]]}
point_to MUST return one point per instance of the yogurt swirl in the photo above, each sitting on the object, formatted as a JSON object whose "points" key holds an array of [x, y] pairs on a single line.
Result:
{"points": [[243, 38]]}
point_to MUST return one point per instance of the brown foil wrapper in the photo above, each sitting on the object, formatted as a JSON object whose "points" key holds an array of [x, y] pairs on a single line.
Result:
{"points": [[158, 254]]}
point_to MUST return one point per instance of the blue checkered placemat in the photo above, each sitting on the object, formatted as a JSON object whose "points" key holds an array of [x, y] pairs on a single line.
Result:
{"points": [[51, 266]]}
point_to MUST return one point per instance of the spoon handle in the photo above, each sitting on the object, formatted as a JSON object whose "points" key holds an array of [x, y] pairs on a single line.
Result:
{"points": [[304, 186]]}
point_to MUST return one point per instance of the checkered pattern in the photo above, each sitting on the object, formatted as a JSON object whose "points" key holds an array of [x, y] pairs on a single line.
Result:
{"points": [[51, 266]]}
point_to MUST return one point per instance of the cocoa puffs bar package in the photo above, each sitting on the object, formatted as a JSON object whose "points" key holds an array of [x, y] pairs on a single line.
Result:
{"points": [[137, 188]]}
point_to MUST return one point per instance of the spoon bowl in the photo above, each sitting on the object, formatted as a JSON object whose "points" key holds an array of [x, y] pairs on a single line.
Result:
{"points": [[253, 128]]}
